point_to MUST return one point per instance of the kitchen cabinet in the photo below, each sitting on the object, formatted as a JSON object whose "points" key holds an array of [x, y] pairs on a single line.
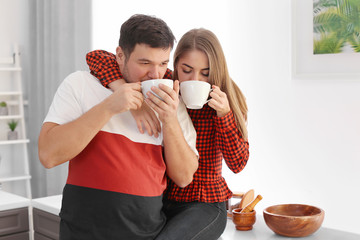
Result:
{"points": [[46, 217], [14, 217], [14, 223], [46, 225]]}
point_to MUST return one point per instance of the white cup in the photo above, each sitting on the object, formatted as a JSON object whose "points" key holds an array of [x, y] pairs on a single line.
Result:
{"points": [[146, 85], [195, 93]]}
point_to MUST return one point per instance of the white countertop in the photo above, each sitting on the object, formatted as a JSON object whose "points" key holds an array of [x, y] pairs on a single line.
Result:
{"points": [[50, 204], [11, 201], [261, 231]]}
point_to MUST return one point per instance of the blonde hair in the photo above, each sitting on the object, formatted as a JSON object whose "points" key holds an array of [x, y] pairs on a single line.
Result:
{"points": [[207, 42]]}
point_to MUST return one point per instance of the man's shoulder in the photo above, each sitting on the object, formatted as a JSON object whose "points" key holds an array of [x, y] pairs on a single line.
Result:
{"points": [[80, 78], [79, 75]]}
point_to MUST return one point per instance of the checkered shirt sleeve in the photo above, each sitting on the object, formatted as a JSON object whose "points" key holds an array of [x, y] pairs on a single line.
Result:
{"points": [[104, 67], [230, 142]]}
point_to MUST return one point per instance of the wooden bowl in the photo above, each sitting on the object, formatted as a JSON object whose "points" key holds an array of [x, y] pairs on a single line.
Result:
{"points": [[243, 221], [293, 220]]}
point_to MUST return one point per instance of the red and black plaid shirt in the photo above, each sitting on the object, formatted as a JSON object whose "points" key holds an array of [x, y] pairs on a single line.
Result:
{"points": [[217, 138]]}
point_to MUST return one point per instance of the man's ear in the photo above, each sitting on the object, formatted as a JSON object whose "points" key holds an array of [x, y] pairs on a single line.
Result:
{"points": [[120, 56]]}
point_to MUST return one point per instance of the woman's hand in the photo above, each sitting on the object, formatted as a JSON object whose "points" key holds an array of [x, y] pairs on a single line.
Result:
{"points": [[219, 101], [145, 117]]}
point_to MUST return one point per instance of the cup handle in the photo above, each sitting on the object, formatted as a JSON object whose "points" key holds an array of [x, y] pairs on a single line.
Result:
{"points": [[210, 98]]}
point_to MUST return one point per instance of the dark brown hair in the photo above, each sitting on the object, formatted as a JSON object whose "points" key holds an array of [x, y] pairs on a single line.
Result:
{"points": [[145, 29]]}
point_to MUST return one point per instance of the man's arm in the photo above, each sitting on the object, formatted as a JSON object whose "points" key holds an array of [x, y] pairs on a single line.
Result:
{"points": [[181, 160], [103, 65], [59, 143]]}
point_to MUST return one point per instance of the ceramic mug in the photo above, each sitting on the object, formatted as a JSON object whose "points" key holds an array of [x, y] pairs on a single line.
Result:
{"points": [[146, 85], [195, 93]]}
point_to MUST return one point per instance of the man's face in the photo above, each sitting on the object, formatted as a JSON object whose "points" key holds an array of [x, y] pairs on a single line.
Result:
{"points": [[144, 63]]}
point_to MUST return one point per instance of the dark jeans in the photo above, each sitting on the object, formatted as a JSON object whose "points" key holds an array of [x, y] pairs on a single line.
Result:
{"points": [[193, 220]]}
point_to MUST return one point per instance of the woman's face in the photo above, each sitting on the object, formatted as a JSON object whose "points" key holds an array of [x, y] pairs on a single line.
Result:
{"points": [[193, 65]]}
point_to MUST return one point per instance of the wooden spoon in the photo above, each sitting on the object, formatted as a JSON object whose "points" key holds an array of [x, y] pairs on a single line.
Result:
{"points": [[247, 198]]}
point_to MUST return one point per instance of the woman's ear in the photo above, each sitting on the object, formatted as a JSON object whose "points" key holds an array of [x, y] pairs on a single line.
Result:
{"points": [[120, 56]]}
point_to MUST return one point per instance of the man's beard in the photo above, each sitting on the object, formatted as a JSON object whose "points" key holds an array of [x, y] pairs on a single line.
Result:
{"points": [[125, 74]]}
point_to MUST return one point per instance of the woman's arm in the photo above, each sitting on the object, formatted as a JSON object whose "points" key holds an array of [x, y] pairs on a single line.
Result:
{"points": [[228, 138], [103, 66]]}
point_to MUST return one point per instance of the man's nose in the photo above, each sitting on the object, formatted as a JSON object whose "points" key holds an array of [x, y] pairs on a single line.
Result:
{"points": [[154, 73]]}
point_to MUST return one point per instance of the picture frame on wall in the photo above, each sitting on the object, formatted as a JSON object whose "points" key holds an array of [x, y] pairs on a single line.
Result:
{"points": [[306, 64]]}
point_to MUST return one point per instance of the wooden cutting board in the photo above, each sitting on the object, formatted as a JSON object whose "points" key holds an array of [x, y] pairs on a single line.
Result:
{"points": [[247, 198]]}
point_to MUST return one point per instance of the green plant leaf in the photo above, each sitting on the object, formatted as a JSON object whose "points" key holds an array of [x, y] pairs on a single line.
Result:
{"points": [[12, 125]]}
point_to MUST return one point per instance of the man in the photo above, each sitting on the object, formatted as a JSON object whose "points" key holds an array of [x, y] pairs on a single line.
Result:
{"points": [[116, 174]]}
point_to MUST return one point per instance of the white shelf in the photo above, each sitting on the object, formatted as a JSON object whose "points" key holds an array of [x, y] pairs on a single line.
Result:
{"points": [[8, 60], [4, 142], [13, 93], [7, 117], [15, 103], [10, 69], [14, 178]]}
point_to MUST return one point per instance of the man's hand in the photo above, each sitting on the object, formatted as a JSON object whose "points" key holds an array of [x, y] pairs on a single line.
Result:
{"points": [[127, 97], [144, 116], [166, 108]]}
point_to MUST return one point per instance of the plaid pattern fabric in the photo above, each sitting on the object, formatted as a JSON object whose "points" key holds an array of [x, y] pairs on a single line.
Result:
{"points": [[104, 67], [217, 138]]}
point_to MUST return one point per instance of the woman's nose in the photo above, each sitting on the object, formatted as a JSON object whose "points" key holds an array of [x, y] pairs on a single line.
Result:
{"points": [[198, 76]]}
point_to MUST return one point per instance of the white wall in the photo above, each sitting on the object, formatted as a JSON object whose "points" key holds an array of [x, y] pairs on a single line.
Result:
{"points": [[13, 15], [304, 134], [13, 29]]}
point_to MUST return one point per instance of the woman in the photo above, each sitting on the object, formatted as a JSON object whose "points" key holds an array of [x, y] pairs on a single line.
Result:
{"points": [[198, 211]]}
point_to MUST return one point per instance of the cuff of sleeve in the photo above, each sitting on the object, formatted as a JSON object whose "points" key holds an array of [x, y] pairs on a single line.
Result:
{"points": [[107, 76], [226, 121]]}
